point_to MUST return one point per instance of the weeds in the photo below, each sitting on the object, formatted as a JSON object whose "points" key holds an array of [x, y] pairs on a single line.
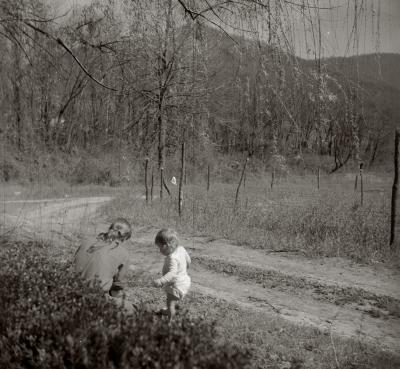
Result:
{"points": [[294, 217]]}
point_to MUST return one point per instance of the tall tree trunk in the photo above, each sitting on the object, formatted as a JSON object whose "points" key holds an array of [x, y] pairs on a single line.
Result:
{"points": [[161, 135], [17, 98], [163, 81], [374, 150], [393, 216]]}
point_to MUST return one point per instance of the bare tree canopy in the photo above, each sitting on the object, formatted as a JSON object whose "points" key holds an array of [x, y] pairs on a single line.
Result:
{"points": [[145, 75]]}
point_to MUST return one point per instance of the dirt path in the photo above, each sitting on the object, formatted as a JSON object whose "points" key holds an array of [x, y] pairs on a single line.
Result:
{"points": [[302, 303], [53, 219], [345, 320]]}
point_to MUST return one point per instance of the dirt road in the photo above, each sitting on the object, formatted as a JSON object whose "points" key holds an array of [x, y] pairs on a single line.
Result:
{"points": [[335, 295], [53, 218]]}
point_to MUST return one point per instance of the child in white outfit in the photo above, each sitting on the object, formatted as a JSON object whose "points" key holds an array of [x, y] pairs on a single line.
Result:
{"points": [[175, 280]]}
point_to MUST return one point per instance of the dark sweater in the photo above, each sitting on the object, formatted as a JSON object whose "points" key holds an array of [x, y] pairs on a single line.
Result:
{"points": [[105, 261]]}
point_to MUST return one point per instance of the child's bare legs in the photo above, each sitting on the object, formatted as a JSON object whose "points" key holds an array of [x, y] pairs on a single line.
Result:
{"points": [[171, 306]]}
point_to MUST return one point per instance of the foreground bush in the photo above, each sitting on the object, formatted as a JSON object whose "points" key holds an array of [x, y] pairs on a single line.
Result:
{"points": [[49, 319]]}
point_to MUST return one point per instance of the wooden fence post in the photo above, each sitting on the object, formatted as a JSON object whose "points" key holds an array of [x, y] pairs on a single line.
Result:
{"points": [[152, 184], [165, 186], [161, 182], [208, 178], [393, 215], [318, 177], [272, 178], [355, 183], [240, 182], [361, 185], [145, 180], [180, 198]]}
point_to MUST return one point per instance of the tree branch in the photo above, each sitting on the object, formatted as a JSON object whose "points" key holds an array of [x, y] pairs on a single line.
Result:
{"points": [[69, 51]]}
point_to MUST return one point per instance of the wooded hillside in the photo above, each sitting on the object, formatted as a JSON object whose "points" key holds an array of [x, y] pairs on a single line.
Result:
{"points": [[136, 79]]}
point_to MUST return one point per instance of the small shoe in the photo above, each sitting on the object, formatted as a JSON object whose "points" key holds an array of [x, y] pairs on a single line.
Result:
{"points": [[162, 312]]}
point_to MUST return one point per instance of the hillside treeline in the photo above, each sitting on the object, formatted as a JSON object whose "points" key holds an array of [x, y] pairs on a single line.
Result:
{"points": [[141, 77]]}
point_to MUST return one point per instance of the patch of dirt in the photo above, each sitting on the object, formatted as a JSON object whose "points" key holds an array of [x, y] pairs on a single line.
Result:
{"points": [[71, 219], [300, 285], [345, 321], [377, 279]]}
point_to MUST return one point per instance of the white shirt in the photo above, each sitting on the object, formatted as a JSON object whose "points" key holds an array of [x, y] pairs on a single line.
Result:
{"points": [[175, 268]]}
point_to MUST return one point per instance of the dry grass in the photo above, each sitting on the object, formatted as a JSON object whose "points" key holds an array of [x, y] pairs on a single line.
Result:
{"points": [[295, 216]]}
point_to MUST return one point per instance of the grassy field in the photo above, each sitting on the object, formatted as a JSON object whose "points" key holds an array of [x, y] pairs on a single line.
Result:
{"points": [[293, 216]]}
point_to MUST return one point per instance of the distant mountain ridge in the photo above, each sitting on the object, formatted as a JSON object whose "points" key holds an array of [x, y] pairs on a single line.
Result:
{"points": [[381, 68], [376, 68], [378, 75]]}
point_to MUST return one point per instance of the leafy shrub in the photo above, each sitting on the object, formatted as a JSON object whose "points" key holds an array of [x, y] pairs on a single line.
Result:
{"points": [[50, 319]]}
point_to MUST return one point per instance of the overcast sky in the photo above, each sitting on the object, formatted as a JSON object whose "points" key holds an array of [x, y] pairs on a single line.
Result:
{"points": [[378, 27]]}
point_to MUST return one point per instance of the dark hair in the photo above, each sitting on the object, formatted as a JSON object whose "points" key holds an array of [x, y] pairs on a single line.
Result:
{"points": [[121, 226], [167, 236]]}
